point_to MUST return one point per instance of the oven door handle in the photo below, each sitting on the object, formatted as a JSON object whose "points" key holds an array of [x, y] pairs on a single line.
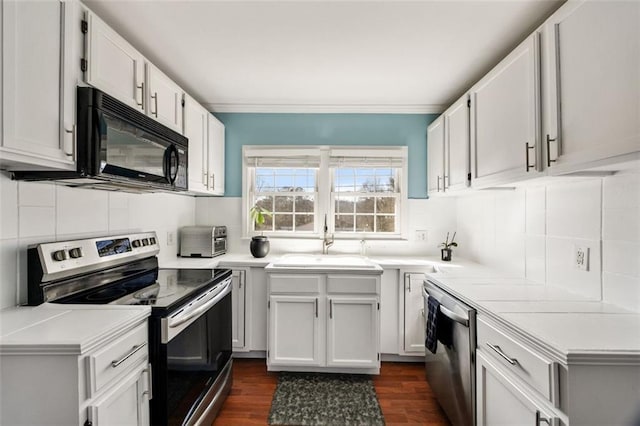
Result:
{"points": [[205, 307]]}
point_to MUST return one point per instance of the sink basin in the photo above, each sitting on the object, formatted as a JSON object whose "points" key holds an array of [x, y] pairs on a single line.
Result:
{"points": [[327, 261]]}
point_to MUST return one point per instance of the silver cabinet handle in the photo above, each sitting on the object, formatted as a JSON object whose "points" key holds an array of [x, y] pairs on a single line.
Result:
{"points": [[445, 178], [205, 178], [213, 180], [149, 392], [497, 350], [316, 307], [330, 308], [141, 103], [549, 160], [133, 350], [155, 102], [527, 148], [72, 132], [438, 185]]}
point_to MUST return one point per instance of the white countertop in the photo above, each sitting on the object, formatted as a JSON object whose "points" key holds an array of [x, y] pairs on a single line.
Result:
{"points": [[64, 329], [565, 325]]}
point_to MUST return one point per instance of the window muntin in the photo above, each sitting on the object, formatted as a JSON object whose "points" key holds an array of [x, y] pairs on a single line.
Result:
{"points": [[290, 195], [365, 200]]}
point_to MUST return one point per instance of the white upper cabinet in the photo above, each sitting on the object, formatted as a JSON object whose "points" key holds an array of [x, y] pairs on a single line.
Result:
{"points": [[456, 120], [164, 98], [505, 119], [215, 156], [435, 156], [33, 124], [113, 65], [195, 129], [592, 84], [448, 149]]}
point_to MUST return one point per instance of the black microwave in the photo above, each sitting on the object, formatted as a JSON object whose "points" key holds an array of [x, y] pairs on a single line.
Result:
{"points": [[119, 147]]}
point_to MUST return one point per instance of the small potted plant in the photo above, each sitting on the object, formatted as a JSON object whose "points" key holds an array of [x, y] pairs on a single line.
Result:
{"points": [[259, 245], [446, 247]]}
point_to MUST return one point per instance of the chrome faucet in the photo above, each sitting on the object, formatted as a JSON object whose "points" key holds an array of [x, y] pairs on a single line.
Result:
{"points": [[326, 242]]}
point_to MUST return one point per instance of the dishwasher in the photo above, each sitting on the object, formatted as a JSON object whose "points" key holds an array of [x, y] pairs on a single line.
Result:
{"points": [[451, 370]]}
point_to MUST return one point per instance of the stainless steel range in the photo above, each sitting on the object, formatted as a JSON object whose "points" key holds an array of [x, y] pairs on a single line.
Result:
{"points": [[190, 323]]}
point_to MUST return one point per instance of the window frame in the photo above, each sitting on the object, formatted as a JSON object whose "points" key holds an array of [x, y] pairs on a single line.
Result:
{"points": [[325, 201]]}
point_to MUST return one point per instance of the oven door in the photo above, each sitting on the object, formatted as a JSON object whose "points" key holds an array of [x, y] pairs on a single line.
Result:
{"points": [[194, 354]]}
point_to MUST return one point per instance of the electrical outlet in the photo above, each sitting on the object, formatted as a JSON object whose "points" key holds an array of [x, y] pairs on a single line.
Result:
{"points": [[171, 238], [581, 258], [421, 235]]}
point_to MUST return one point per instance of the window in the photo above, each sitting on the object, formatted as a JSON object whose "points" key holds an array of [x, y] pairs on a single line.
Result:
{"points": [[361, 191], [290, 194], [365, 199]]}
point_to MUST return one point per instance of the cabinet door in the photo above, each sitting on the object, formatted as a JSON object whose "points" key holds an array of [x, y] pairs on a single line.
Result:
{"points": [[294, 330], [390, 327], [216, 155], [592, 54], [352, 332], [114, 66], [414, 319], [435, 156], [238, 301], [32, 59], [127, 403], [500, 400], [505, 122], [195, 129], [456, 175], [164, 98]]}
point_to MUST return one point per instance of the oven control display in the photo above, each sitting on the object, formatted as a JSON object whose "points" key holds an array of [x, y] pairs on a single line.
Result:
{"points": [[111, 247]]}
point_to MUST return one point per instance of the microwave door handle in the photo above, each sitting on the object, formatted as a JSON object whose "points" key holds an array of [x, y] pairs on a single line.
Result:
{"points": [[170, 153]]}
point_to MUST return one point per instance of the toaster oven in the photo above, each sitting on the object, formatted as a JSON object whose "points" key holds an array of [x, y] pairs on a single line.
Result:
{"points": [[203, 241]]}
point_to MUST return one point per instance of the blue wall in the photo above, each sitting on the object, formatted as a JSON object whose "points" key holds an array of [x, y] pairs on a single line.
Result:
{"points": [[327, 129]]}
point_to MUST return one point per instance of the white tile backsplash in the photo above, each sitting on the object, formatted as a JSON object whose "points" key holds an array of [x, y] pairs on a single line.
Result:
{"points": [[32, 213], [574, 209], [600, 213], [621, 290], [80, 212]]}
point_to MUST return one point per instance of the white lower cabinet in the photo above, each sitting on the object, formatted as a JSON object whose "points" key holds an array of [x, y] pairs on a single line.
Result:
{"points": [[352, 332], [502, 400], [324, 322], [127, 403], [238, 302], [108, 384], [294, 327]]}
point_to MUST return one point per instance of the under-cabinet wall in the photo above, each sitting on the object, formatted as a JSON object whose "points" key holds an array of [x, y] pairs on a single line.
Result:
{"points": [[436, 216], [533, 231], [31, 213]]}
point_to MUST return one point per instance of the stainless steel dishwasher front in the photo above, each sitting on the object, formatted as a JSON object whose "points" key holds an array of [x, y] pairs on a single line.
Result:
{"points": [[451, 370]]}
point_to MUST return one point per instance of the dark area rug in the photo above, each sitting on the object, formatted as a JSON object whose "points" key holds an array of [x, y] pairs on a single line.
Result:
{"points": [[325, 399]]}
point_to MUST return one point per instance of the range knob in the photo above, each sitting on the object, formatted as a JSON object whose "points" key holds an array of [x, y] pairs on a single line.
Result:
{"points": [[152, 240], [145, 241], [59, 255], [75, 252], [136, 243]]}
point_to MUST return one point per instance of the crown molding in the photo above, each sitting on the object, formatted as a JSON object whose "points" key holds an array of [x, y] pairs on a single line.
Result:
{"points": [[325, 109]]}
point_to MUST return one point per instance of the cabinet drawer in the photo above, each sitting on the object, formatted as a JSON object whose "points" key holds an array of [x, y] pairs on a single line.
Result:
{"points": [[353, 284], [117, 358], [533, 368], [300, 283]]}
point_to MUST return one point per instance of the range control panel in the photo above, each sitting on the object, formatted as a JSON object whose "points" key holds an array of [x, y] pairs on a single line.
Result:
{"points": [[71, 257]]}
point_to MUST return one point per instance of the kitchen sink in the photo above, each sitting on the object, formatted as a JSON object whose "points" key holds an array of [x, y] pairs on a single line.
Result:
{"points": [[328, 261]]}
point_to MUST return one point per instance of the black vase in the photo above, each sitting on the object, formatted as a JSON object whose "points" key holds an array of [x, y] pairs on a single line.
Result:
{"points": [[446, 254], [259, 246]]}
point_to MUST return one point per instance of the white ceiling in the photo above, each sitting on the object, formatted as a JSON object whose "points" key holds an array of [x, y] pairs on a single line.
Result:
{"points": [[315, 56]]}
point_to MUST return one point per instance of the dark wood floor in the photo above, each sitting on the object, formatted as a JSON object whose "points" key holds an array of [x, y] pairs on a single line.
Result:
{"points": [[404, 395]]}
